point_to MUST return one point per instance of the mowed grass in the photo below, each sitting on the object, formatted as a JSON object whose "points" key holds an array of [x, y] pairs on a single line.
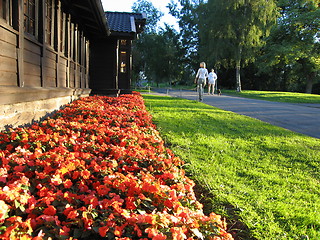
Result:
{"points": [[266, 176], [289, 97]]}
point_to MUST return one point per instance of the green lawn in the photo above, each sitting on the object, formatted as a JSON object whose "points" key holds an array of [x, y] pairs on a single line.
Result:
{"points": [[290, 97], [266, 176]]}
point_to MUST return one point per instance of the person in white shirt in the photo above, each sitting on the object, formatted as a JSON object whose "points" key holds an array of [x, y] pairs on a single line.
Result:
{"points": [[201, 79], [212, 77]]}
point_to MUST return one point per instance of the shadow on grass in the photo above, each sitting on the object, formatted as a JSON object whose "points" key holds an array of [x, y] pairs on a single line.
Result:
{"points": [[236, 227]]}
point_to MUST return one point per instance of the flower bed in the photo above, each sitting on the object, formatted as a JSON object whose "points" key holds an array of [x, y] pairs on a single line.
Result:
{"points": [[97, 169]]}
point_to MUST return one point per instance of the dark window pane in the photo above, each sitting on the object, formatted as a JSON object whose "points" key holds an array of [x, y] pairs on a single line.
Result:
{"points": [[3, 9]]}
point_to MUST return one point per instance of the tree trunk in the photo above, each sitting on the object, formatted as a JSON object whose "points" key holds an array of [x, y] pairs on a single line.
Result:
{"points": [[238, 67], [238, 77], [310, 80]]}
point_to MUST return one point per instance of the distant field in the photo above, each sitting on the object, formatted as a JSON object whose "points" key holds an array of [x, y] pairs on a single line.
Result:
{"points": [[289, 97], [266, 176]]}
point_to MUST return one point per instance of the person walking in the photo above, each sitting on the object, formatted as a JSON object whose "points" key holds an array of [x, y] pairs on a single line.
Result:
{"points": [[201, 79], [212, 77]]}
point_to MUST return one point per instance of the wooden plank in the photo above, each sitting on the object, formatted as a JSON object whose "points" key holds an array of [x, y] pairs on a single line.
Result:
{"points": [[8, 79], [32, 81], [32, 70], [31, 57], [63, 62], [50, 82], [32, 47], [72, 76], [8, 50], [62, 79], [8, 64], [49, 63], [50, 72], [8, 36], [51, 55], [62, 82]]}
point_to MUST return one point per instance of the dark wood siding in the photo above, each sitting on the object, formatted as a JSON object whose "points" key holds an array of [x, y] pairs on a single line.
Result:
{"points": [[32, 70], [33, 55], [62, 74], [8, 58], [50, 67]]}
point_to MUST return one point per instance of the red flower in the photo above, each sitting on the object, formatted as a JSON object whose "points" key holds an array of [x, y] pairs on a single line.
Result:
{"points": [[103, 190], [68, 183], [103, 231], [100, 162], [51, 211]]}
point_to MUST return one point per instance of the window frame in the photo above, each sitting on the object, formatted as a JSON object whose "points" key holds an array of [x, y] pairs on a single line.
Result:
{"points": [[31, 15], [5, 11], [50, 22]]}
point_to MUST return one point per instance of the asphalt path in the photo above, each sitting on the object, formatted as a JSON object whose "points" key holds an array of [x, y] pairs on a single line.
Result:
{"points": [[300, 118]]}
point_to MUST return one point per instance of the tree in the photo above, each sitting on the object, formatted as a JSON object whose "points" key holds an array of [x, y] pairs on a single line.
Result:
{"points": [[186, 11], [153, 14], [231, 31], [294, 44], [157, 53]]}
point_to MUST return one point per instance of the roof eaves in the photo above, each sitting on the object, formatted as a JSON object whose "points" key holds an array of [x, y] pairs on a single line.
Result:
{"points": [[133, 24], [101, 16]]}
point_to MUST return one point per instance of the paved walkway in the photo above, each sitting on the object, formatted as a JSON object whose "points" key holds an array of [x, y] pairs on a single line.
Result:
{"points": [[301, 118]]}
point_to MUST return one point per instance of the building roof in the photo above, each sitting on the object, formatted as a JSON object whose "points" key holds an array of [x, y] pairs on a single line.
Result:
{"points": [[89, 14], [122, 23]]}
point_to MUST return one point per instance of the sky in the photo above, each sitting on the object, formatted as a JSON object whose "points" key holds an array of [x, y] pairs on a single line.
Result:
{"points": [[125, 6]]}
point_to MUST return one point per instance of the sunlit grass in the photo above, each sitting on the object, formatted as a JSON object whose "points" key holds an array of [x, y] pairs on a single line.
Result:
{"points": [[290, 97], [266, 175]]}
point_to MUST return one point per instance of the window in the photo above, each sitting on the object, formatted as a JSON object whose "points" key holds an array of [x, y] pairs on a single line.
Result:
{"points": [[62, 28], [9, 12], [66, 35], [123, 62], [49, 22], [123, 42], [30, 16], [3, 9], [5, 12]]}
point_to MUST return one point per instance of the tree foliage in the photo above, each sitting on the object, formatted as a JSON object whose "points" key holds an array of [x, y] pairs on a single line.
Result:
{"points": [[293, 48], [153, 14], [157, 52], [231, 31], [186, 13], [275, 43]]}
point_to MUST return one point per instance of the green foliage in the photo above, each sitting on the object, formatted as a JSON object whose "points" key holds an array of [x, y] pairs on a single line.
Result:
{"points": [[157, 55], [187, 15], [231, 31], [153, 14], [158, 51], [268, 176], [293, 48]]}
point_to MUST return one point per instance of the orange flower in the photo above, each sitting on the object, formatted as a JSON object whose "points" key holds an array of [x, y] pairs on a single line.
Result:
{"points": [[118, 231], [85, 174], [68, 183], [51, 211], [103, 231], [103, 190], [64, 231]]}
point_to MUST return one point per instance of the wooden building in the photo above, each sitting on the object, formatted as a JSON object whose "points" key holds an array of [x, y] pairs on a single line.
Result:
{"points": [[45, 55], [111, 57]]}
